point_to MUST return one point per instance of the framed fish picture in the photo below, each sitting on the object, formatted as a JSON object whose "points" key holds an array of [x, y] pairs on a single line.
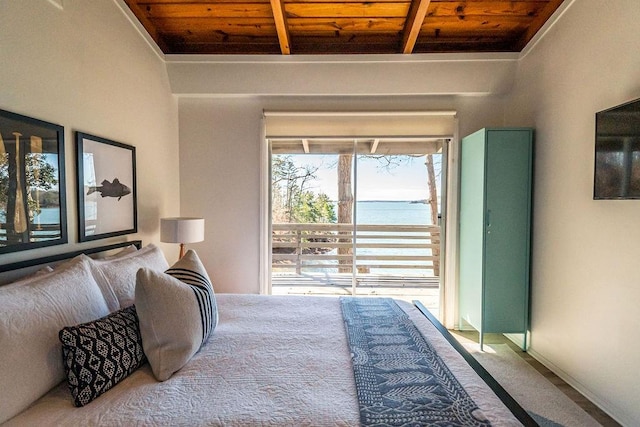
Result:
{"points": [[107, 203]]}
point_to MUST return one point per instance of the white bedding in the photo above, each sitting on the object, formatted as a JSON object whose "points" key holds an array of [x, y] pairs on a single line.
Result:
{"points": [[271, 361]]}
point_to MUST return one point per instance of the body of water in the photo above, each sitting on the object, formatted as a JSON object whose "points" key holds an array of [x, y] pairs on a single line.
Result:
{"points": [[45, 226], [46, 216], [385, 212]]}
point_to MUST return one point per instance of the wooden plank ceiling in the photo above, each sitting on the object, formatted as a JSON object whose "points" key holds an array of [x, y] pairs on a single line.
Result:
{"points": [[341, 26]]}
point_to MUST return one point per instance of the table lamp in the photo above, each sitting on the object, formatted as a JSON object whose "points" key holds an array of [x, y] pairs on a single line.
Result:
{"points": [[181, 230]]}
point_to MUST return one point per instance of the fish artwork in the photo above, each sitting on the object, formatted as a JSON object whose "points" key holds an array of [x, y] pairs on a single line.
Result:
{"points": [[111, 189]]}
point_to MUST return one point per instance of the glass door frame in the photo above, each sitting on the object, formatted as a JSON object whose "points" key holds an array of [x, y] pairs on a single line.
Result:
{"points": [[449, 256]]}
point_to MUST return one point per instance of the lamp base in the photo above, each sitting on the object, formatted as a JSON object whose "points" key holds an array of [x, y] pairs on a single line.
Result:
{"points": [[181, 250]]}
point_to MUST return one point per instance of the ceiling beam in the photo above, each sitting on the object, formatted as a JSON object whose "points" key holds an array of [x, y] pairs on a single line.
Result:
{"points": [[417, 13], [281, 26], [374, 146]]}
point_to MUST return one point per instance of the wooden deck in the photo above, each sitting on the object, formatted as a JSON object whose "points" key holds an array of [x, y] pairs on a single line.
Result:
{"points": [[337, 280], [423, 289]]}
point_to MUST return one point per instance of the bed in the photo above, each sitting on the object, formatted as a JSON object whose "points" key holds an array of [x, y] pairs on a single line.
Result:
{"points": [[267, 360]]}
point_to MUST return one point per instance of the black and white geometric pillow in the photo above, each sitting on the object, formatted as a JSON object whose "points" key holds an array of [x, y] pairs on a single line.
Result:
{"points": [[99, 354]]}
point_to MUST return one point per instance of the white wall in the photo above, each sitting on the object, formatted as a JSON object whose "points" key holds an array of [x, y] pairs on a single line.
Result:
{"points": [[586, 280], [348, 75], [219, 175], [85, 67], [220, 167]]}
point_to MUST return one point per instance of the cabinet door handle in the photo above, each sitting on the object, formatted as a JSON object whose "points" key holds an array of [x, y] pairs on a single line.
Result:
{"points": [[488, 218]]}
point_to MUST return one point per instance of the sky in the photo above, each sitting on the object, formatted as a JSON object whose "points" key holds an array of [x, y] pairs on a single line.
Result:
{"points": [[375, 182]]}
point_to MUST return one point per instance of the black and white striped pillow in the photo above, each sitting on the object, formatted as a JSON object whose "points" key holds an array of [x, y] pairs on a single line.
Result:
{"points": [[177, 311], [195, 276]]}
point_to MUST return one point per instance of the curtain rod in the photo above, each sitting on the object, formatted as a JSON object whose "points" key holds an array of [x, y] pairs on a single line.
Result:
{"points": [[360, 138], [267, 113]]}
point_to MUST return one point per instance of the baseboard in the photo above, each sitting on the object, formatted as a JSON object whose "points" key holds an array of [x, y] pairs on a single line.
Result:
{"points": [[607, 406], [517, 339]]}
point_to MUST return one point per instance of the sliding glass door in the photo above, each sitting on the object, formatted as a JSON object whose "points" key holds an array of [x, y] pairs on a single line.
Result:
{"points": [[396, 211], [354, 216]]}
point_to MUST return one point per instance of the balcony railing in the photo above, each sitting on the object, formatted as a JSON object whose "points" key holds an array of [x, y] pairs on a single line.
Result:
{"points": [[336, 247], [35, 233]]}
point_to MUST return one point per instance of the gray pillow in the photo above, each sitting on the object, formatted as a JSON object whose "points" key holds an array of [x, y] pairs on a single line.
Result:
{"points": [[177, 311]]}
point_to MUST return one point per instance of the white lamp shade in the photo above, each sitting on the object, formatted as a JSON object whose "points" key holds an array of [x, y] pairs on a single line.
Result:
{"points": [[181, 230]]}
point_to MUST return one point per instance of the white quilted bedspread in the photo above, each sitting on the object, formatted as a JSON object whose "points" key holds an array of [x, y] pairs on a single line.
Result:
{"points": [[272, 361]]}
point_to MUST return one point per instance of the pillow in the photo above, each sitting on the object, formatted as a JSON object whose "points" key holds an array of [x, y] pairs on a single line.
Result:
{"points": [[177, 312], [126, 251], [44, 270], [97, 355], [117, 277], [32, 312]]}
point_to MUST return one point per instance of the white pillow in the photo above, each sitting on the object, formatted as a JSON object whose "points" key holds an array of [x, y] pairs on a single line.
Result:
{"points": [[44, 270], [32, 312], [117, 277], [177, 312], [125, 251]]}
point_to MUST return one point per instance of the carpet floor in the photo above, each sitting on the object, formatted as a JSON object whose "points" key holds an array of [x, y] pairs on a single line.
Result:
{"points": [[546, 404]]}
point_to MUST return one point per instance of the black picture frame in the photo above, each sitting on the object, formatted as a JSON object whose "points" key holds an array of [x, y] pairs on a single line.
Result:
{"points": [[616, 173], [33, 204], [106, 184]]}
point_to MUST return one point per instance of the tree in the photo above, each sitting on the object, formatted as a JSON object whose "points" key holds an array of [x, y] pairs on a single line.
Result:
{"points": [[39, 175], [292, 201], [345, 204], [324, 208], [433, 203], [313, 208]]}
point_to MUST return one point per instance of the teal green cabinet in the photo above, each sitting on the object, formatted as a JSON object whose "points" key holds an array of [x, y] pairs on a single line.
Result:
{"points": [[495, 218]]}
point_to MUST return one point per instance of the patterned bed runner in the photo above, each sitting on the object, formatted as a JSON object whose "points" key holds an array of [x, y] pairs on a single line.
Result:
{"points": [[400, 379]]}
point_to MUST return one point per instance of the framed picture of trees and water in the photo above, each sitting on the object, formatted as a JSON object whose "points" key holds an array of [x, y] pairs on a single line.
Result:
{"points": [[107, 204], [33, 209]]}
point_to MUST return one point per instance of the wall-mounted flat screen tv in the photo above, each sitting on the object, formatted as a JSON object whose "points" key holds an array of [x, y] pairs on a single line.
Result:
{"points": [[617, 163]]}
